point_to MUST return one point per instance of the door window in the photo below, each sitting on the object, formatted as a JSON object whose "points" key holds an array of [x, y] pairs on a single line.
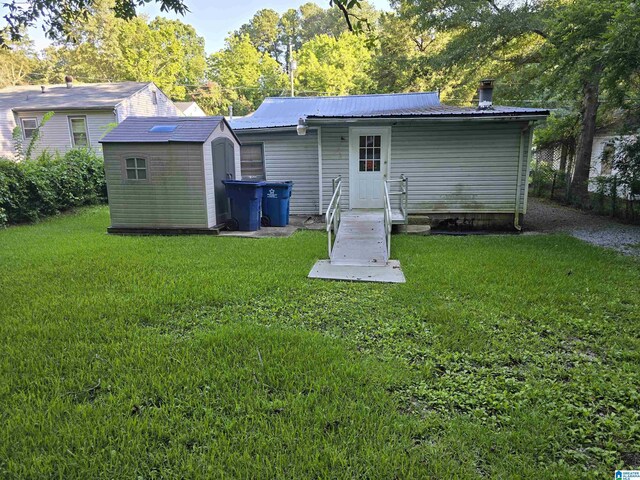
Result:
{"points": [[369, 153]]}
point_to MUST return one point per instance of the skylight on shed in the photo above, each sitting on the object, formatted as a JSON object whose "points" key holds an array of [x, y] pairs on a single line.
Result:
{"points": [[163, 128]]}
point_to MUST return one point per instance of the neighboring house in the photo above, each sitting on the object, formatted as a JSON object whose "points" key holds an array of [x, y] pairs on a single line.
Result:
{"points": [[190, 109], [83, 113], [464, 165], [165, 173]]}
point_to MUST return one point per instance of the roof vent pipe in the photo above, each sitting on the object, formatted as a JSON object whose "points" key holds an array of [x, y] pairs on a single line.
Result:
{"points": [[230, 112], [485, 94], [69, 81], [43, 88]]}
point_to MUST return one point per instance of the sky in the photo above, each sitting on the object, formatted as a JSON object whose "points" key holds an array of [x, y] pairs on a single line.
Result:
{"points": [[214, 19]]}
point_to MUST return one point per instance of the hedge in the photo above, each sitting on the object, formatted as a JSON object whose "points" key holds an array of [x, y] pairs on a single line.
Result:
{"points": [[33, 189]]}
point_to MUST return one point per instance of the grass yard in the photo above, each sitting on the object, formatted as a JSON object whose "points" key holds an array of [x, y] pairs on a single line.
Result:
{"points": [[205, 357]]}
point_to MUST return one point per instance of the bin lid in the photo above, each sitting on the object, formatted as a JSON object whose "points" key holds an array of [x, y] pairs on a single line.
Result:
{"points": [[248, 183]]}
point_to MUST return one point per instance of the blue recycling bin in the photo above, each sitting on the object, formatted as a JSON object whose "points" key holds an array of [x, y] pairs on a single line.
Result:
{"points": [[275, 203], [245, 198]]}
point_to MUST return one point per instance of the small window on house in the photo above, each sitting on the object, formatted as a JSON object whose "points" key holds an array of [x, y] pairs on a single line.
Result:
{"points": [[136, 168], [606, 160], [29, 126], [154, 97], [252, 161], [370, 150], [79, 134]]}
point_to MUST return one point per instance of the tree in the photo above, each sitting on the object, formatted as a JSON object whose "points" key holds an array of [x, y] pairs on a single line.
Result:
{"points": [[245, 74], [167, 52], [57, 18], [329, 66], [17, 62], [545, 46], [262, 31]]}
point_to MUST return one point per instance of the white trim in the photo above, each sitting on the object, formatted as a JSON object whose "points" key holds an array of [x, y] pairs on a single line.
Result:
{"points": [[319, 136], [86, 130], [528, 171], [385, 132]]}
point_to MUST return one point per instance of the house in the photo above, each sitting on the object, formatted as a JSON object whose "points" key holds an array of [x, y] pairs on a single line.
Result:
{"points": [[82, 113], [190, 109], [164, 174], [463, 165]]}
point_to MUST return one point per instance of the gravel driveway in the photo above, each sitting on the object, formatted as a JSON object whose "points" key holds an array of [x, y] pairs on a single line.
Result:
{"points": [[547, 217]]}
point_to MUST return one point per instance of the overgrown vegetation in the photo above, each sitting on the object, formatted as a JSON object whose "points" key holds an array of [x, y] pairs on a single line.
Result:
{"points": [[174, 357], [33, 189]]}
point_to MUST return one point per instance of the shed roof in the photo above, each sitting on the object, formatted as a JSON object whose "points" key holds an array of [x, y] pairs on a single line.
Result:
{"points": [[91, 96], [286, 111], [188, 129]]}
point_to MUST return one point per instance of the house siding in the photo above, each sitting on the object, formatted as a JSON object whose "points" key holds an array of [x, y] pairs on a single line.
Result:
{"points": [[208, 168], [56, 134], [140, 104], [461, 167], [175, 195], [335, 161], [289, 156]]}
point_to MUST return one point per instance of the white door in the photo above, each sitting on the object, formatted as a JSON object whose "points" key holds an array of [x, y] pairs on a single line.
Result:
{"points": [[368, 163]]}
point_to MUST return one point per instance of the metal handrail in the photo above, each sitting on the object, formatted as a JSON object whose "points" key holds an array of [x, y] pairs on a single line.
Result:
{"points": [[404, 201], [332, 217], [387, 218]]}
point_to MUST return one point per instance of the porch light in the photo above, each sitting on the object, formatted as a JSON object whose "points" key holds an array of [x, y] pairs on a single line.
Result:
{"points": [[302, 127]]}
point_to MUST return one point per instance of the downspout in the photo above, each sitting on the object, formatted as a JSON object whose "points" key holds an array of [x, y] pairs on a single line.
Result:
{"points": [[320, 199], [516, 216]]}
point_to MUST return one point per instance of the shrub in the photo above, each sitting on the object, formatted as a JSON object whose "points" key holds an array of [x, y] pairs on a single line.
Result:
{"points": [[52, 183]]}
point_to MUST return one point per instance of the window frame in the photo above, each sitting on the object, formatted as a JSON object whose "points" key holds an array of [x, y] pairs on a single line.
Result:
{"points": [[370, 150], [70, 119], [124, 169], [154, 97], [24, 130], [254, 144]]}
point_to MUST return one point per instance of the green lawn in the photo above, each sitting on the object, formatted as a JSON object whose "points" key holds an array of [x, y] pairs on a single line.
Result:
{"points": [[181, 357]]}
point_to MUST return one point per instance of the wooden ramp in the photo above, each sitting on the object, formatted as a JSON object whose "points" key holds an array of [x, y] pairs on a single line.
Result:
{"points": [[359, 252]]}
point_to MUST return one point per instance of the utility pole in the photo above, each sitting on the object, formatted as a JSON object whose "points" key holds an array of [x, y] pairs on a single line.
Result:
{"points": [[292, 66]]}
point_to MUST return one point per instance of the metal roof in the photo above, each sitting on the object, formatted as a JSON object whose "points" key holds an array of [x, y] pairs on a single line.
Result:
{"points": [[91, 96], [188, 129], [286, 111]]}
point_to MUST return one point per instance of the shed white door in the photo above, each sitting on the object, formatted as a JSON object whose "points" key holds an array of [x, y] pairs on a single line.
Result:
{"points": [[368, 163]]}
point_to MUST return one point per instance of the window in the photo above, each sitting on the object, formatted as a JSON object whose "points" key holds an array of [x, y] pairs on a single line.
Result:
{"points": [[29, 126], [163, 128], [608, 153], [136, 168], [154, 97], [79, 134], [369, 153], [252, 161]]}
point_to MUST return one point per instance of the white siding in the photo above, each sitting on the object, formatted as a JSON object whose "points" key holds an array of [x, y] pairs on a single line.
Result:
{"points": [[174, 196], [7, 124], [208, 168], [289, 156], [56, 133], [466, 167], [335, 161], [141, 104]]}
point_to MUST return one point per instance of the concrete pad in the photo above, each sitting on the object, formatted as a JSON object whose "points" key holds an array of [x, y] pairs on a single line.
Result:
{"points": [[389, 273], [414, 229], [264, 232]]}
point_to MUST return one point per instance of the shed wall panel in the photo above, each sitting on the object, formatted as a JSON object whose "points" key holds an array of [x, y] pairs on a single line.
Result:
{"points": [[289, 156], [174, 195], [208, 168]]}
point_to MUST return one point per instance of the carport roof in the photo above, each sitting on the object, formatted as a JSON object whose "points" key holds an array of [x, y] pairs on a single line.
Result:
{"points": [[187, 129], [287, 111]]}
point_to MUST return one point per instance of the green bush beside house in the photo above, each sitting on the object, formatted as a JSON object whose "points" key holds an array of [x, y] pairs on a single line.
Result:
{"points": [[33, 189]]}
